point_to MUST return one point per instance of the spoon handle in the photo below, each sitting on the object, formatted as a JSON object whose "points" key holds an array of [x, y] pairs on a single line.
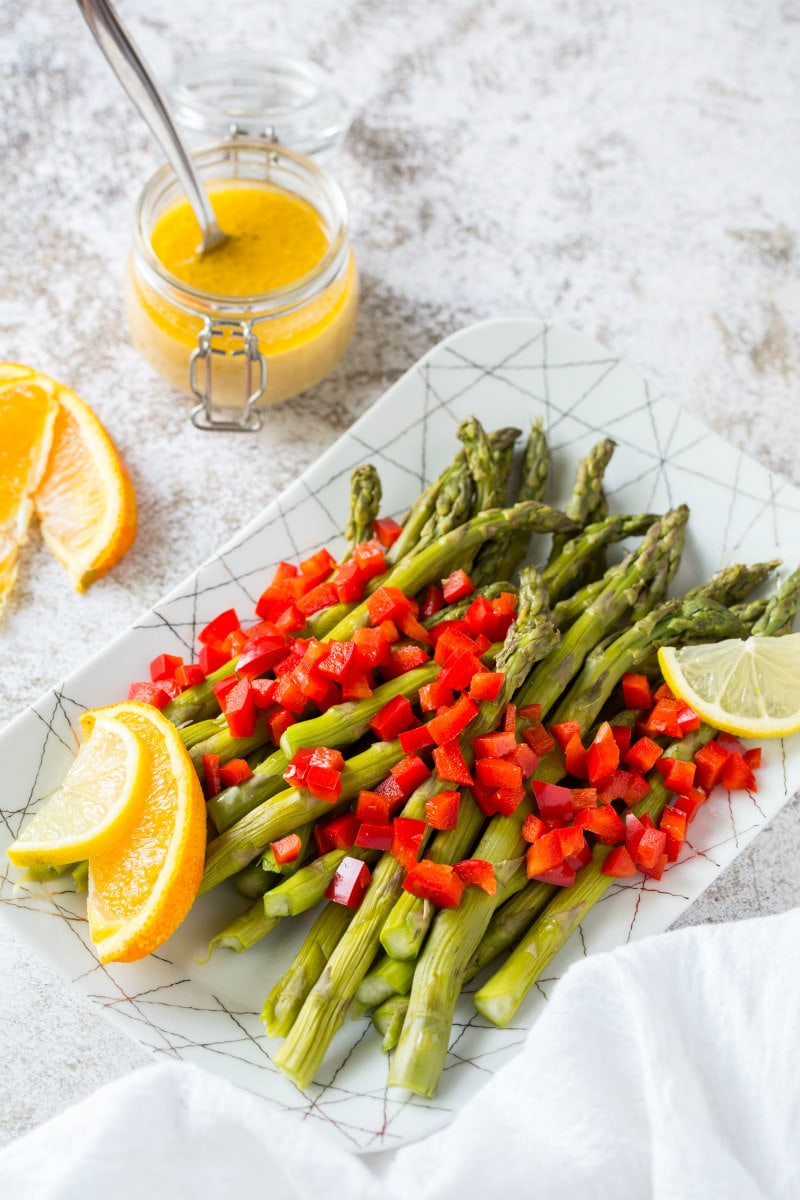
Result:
{"points": [[129, 67]]}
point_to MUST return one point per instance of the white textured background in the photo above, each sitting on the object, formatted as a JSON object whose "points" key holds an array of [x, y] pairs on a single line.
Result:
{"points": [[631, 169]]}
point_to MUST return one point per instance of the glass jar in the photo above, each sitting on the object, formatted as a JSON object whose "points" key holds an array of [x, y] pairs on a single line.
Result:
{"points": [[235, 354]]}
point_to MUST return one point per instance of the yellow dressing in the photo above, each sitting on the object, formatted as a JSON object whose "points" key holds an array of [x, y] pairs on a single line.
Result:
{"points": [[275, 238]]}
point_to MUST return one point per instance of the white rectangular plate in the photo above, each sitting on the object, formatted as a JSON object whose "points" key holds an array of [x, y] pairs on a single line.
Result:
{"points": [[506, 372]]}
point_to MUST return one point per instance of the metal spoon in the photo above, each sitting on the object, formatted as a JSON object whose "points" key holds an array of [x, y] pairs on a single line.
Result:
{"points": [[128, 65]]}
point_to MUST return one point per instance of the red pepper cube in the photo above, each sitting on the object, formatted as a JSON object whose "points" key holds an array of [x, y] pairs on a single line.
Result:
{"points": [[687, 718], [437, 882], [561, 876], [336, 833], [407, 840], [485, 798], [494, 745], [149, 693], [622, 736], [240, 710], [618, 786], [261, 655], [486, 685], [418, 738], [736, 775], [634, 829], [539, 740], [324, 595], [234, 772], [441, 810], [753, 757], [339, 660], [387, 530], [562, 731], [576, 759], [404, 659], [458, 671], [604, 822], [506, 800], [643, 754], [730, 742], [583, 798], [286, 849], [450, 766], [525, 759], [317, 567], [572, 841], [395, 716], [386, 604], [324, 782], [453, 641], [636, 691], [189, 675], [324, 756], [652, 844], [390, 788], [210, 659], [222, 687], [164, 666], [211, 775], [480, 617], [435, 695], [498, 772], [553, 800], [263, 692], [297, 770], [390, 632], [432, 601], [374, 649], [374, 808], [289, 618], [663, 719], [375, 837], [678, 776], [690, 803], [674, 822], [216, 631], [510, 718], [533, 827], [412, 628], [350, 583], [619, 864], [709, 761], [544, 854], [452, 721], [349, 885], [409, 773], [657, 870], [479, 872], [369, 558], [235, 643], [602, 757], [279, 722], [457, 586], [289, 694]]}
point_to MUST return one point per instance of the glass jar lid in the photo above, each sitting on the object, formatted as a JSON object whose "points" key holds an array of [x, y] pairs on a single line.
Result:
{"points": [[251, 95]]}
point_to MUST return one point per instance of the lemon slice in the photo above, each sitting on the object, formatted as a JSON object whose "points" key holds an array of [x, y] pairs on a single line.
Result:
{"points": [[95, 805], [750, 688]]}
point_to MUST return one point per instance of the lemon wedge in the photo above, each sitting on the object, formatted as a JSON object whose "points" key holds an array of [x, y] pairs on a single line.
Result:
{"points": [[750, 688], [96, 804]]}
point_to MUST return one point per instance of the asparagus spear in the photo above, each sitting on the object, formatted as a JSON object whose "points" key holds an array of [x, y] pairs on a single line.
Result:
{"points": [[253, 880], [307, 887], [389, 977], [454, 612], [365, 503], [781, 609], [325, 1007], [562, 570], [388, 1020], [481, 463], [243, 931], [586, 502], [288, 995]]}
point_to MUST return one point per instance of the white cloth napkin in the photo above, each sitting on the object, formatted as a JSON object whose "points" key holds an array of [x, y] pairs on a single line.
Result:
{"points": [[668, 1068]]}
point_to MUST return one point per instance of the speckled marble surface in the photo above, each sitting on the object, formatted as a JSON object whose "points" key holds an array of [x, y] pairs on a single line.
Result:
{"points": [[628, 169]]}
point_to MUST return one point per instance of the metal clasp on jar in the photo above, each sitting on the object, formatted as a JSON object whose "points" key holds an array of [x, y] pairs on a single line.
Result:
{"points": [[205, 415]]}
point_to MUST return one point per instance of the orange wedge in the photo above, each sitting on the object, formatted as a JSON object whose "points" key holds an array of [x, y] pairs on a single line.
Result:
{"points": [[85, 502], [27, 420], [142, 887]]}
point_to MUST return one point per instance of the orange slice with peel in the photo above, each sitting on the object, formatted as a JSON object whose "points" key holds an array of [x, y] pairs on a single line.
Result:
{"points": [[28, 413], [97, 803], [143, 886]]}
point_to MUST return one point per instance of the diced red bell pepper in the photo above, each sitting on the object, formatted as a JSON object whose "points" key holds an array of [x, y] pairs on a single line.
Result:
{"points": [[235, 771], [480, 616], [690, 803], [554, 801], [375, 837], [390, 632], [235, 643], [663, 719], [441, 810], [240, 710], [449, 763], [369, 558], [634, 829], [510, 718], [289, 694], [407, 840], [622, 736], [336, 833], [643, 754], [417, 738], [636, 691], [452, 642], [663, 692], [629, 786], [409, 773], [506, 800], [562, 875], [657, 870], [730, 742], [263, 692], [386, 604], [349, 885], [286, 849], [432, 601], [604, 822], [387, 530], [525, 759], [278, 722], [324, 782], [458, 671], [753, 757], [572, 841], [222, 687], [478, 872], [435, 695], [297, 770], [149, 693], [619, 864], [349, 582], [164, 666], [602, 756], [374, 649], [317, 567], [437, 882], [189, 675], [390, 788], [486, 685], [583, 798], [405, 658], [216, 631], [325, 756], [652, 844], [211, 775], [284, 572], [539, 740], [498, 773], [688, 719], [324, 595], [211, 658], [674, 822], [736, 775], [709, 761], [530, 712], [576, 758], [533, 827], [341, 659], [393, 718], [562, 731], [457, 586], [374, 808], [289, 618], [412, 628], [450, 722], [678, 775], [261, 655], [544, 854]]}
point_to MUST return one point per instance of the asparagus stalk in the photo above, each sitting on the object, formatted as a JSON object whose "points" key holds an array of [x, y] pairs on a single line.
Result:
{"points": [[781, 609], [301, 891], [365, 503], [388, 1019], [586, 502], [243, 931], [482, 464], [565, 567], [252, 881], [288, 995], [389, 977]]}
